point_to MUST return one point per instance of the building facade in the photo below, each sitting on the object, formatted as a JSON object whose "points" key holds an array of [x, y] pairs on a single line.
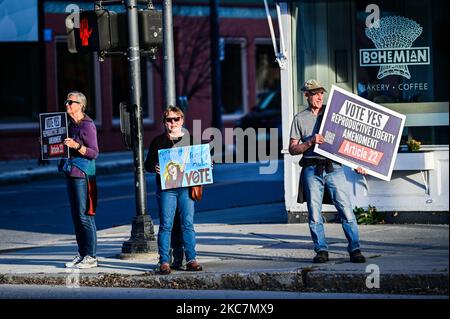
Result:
{"points": [[37, 71], [400, 64]]}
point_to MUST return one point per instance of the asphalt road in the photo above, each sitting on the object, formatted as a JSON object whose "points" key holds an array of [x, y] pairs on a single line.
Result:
{"points": [[43, 206], [62, 292]]}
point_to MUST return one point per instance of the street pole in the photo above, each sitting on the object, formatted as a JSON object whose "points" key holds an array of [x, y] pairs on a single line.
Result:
{"points": [[142, 238], [215, 65], [169, 56]]}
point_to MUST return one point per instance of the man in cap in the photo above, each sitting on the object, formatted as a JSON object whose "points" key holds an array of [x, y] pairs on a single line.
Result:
{"points": [[320, 173]]}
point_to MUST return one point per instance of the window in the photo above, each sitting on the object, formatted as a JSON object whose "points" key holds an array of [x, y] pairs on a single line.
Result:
{"points": [[267, 70], [77, 72], [233, 72], [20, 83], [121, 86], [399, 60], [400, 63]]}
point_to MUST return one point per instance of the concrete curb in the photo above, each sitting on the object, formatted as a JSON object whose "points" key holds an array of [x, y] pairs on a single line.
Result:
{"points": [[305, 280], [327, 281]]}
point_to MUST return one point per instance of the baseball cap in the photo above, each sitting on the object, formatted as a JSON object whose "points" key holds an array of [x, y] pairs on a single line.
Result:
{"points": [[312, 85]]}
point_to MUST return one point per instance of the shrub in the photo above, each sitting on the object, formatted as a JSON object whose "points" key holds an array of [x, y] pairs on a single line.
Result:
{"points": [[368, 217], [413, 145]]}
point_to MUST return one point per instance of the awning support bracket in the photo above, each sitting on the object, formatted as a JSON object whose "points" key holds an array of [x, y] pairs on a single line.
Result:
{"points": [[280, 56]]}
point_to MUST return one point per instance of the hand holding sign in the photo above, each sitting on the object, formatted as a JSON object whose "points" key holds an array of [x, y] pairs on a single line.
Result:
{"points": [[360, 170], [317, 139]]}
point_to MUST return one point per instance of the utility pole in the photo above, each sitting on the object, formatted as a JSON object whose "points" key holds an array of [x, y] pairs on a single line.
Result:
{"points": [[169, 56], [142, 238], [215, 65]]}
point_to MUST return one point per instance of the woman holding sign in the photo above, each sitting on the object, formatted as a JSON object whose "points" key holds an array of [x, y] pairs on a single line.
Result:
{"points": [[81, 184], [173, 201]]}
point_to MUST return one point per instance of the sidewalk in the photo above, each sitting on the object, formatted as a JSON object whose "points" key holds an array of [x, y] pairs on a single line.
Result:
{"points": [[409, 258]]}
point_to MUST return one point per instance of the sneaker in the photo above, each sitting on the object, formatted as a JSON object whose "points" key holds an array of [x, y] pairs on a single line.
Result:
{"points": [[75, 261], [321, 257], [87, 262], [357, 257]]}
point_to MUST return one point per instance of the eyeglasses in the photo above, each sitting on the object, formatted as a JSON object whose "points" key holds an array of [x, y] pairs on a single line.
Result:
{"points": [[70, 102], [173, 119]]}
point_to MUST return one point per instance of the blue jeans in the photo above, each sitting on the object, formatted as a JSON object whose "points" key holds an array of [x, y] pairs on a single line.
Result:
{"points": [[314, 186], [168, 202], [176, 243], [84, 225]]}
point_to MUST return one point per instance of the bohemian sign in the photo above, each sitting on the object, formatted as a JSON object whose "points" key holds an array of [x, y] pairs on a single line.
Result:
{"points": [[358, 132], [53, 130], [185, 166]]}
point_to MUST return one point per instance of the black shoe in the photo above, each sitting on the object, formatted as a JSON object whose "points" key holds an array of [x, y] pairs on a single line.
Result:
{"points": [[357, 257], [321, 257]]}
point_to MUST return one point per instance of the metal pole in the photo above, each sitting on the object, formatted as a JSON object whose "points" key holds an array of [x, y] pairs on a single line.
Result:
{"points": [[142, 233], [215, 65], [169, 57]]}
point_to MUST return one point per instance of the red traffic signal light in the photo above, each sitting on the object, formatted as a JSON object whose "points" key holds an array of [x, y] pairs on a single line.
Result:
{"points": [[86, 37], [104, 30], [90, 31]]}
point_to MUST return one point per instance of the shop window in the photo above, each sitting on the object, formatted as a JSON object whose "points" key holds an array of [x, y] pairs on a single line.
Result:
{"points": [[400, 61], [232, 73], [20, 83], [121, 86], [429, 135], [267, 70], [76, 72], [398, 54]]}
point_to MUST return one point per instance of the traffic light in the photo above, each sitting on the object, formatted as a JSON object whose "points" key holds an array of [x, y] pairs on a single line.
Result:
{"points": [[150, 29], [105, 30], [93, 30]]}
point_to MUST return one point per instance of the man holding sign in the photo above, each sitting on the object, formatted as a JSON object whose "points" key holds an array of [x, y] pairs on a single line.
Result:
{"points": [[320, 173]]}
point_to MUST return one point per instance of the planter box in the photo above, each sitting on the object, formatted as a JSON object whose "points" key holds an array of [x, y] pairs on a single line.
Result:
{"points": [[414, 161]]}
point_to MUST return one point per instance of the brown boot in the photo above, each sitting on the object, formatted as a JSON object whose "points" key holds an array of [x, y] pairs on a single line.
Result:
{"points": [[164, 269], [194, 266]]}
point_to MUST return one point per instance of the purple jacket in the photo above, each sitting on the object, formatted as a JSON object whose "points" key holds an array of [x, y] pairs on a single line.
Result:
{"points": [[84, 133]]}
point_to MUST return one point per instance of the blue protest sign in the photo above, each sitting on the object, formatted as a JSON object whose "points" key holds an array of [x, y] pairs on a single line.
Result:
{"points": [[185, 166]]}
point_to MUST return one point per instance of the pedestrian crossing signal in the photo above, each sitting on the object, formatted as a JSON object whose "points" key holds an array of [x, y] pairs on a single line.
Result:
{"points": [[93, 30], [105, 30]]}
